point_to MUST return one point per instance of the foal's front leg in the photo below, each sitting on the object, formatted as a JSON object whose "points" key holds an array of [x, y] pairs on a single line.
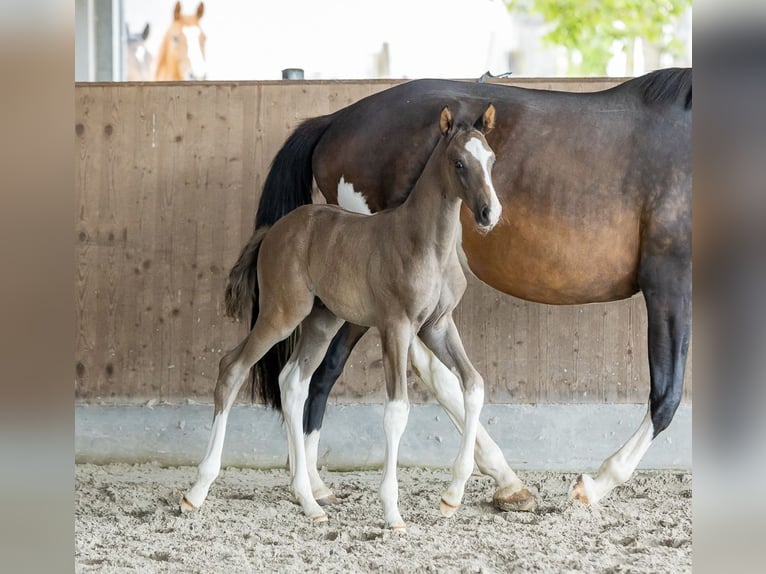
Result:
{"points": [[444, 341], [395, 344]]}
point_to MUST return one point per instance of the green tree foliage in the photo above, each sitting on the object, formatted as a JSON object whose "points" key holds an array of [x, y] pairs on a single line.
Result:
{"points": [[590, 27]]}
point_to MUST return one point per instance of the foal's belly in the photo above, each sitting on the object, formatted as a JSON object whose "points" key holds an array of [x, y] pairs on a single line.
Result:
{"points": [[550, 259]]}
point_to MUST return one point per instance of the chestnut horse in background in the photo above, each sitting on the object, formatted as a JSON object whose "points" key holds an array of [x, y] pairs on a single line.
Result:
{"points": [[596, 195], [182, 52]]}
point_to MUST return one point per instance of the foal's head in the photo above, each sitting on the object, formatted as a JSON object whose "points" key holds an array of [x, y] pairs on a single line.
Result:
{"points": [[469, 161]]}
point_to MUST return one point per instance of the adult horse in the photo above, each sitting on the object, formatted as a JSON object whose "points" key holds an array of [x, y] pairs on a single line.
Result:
{"points": [[596, 195], [182, 53], [139, 59]]}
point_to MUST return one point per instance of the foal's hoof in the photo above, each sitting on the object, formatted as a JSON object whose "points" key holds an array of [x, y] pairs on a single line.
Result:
{"points": [[521, 501], [186, 506], [447, 509], [399, 528], [581, 490], [327, 500]]}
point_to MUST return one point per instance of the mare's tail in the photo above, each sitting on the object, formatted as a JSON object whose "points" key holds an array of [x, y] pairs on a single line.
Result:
{"points": [[288, 186]]}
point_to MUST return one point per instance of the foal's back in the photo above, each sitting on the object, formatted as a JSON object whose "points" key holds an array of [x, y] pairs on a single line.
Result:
{"points": [[361, 267]]}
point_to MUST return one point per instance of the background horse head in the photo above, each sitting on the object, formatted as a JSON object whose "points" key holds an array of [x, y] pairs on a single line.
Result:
{"points": [[182, 52], [139, 59]]}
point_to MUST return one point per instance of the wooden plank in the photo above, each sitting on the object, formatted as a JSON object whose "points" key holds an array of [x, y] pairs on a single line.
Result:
{"points": [[168, 178]]}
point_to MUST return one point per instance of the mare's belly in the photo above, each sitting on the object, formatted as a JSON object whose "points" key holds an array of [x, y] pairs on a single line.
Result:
{"points": [[551, 260]]}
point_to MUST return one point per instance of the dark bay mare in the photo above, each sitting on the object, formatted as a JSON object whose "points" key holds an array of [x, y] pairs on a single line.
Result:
{"points": [[396, 270], [596, 196]]}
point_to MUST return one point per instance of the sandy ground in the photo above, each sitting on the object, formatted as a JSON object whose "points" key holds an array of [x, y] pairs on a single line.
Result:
{"points": [[127, 520]]}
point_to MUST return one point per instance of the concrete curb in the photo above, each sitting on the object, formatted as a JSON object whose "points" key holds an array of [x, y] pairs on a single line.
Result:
{"points": [[542, 437]]}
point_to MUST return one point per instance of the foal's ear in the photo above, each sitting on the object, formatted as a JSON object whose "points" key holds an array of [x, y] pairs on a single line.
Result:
{"points": [[487, 120], [445, 121], [177, 11], [200, 10]]}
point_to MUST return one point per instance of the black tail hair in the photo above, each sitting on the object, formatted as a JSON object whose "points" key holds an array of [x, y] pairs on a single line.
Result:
{"points": [[288, 185]]}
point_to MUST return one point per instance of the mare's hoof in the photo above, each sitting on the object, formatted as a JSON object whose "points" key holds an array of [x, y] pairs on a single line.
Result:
{"points": [[320, 518], [447, 509], [399, 528], [327, 500], [186, 506], [521, 501]]}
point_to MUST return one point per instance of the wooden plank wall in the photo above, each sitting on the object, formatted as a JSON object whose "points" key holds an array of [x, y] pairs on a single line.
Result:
{"points": [[167, 179]]}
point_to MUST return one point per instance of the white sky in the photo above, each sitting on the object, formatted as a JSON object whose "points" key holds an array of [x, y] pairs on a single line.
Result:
{"points": [[256, 39]]}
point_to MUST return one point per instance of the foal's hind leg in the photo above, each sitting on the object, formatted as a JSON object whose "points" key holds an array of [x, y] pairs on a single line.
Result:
{"points": [[666, 285], [443, 339], [317, 331], [511, 493], [233, 370]]}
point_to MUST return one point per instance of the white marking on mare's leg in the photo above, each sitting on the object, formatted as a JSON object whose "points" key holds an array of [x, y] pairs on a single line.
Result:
{"points": [[322, 494], [350, 199], [616, 469], [395, 416], [483, 155]]}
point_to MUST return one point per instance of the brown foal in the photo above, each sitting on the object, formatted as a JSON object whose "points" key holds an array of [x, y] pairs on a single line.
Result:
{"points": [[396, 270]]}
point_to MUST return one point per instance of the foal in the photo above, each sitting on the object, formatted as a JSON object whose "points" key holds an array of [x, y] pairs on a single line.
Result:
{"points": [[396, 270]]}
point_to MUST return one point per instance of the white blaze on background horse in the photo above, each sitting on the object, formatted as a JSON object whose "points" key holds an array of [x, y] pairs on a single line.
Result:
{"points": [[182, 52], [139, 59], [397, 271]]}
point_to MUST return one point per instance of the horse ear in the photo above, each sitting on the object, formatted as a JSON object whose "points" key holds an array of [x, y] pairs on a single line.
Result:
{"points": [[177, 11], [445, 121], [145, 33], [200, 10], [487, 120]]}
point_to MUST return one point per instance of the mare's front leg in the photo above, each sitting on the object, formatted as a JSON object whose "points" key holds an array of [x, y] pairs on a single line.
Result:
{"points": [[444, 340], [395, 343]]}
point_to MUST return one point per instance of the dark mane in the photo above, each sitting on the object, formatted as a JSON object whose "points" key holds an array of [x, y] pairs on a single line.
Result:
{"points": [[666, 86]]}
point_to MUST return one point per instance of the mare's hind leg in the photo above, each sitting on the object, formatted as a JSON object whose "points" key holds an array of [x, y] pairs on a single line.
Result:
{"points": [[317, 331], [233, 370], [666, 285], [321, 384], [511, 493], [443, 339]]}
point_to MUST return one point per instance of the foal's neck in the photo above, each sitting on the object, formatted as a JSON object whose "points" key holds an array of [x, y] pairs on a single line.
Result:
{"points": [[432, 210]]}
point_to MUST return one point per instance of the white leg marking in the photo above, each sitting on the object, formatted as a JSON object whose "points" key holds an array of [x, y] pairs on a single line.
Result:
{"points": [[395, 416], [318, 487], [446, 388], [484, 155], [350, 199], [461, 470], [208, 469], [620, 466], [294, 391]]}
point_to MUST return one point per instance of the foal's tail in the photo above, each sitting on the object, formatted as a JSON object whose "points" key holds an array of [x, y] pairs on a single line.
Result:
{"points": [[288, 186]]}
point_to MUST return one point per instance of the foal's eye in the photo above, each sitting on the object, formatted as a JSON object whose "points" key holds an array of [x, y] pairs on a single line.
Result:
{"points": [[458, 164]]}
